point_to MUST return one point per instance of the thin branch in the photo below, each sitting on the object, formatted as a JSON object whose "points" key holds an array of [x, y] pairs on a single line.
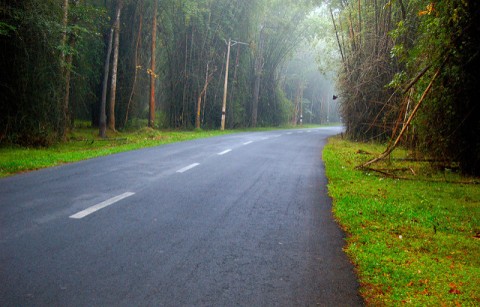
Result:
{"points": [[410, 118]]}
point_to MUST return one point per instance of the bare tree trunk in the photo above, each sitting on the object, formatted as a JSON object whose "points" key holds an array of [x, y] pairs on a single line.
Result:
{"points": [[103, 103], [338, 40], [296, 108], [404, 12], [66, 98], [392, 146], [139, 36], [64, 30], [199, 101], [258, 77], [301, 107], [359, 23], [151, 113], [352, 34], [65, 70], [113, 86]]}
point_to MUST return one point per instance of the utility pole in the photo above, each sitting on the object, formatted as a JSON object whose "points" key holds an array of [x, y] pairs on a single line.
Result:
{"points": [[225, 86]]}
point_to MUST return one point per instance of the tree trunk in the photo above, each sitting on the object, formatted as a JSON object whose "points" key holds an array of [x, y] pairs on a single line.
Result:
{"points": [[64, 30], [338, 40], [66, 98], [359, 23], [301, 104], [208, 78], [151, 113], [103, 104], [113, 86], [199, 101], [65, 71], [296, 108], [258, 77], [135, 76]]}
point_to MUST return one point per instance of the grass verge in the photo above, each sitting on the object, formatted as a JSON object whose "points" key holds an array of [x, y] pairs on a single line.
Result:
{"points": [[84, 143], [412, 241]]}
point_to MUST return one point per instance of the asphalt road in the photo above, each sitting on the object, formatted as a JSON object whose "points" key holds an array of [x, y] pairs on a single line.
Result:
{"points": [[237, 220]]}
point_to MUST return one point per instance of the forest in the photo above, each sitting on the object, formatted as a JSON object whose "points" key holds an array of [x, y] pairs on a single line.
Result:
{"points": [[162, 64], [405, 70], [409, 76]]}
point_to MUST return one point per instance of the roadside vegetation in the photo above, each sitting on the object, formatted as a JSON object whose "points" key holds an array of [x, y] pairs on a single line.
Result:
{"points": [[85, 143], [409, 73], [413, 240]]}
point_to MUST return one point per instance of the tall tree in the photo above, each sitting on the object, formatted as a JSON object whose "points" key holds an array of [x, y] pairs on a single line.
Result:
{"points": [[258, 76], [135, 59], [113, 85], [66, 69], [106, 71], [151, 117]]}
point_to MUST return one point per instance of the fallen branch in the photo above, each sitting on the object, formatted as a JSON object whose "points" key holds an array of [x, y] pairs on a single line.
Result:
{"points": [[409, 86], [363, 152], [417, 160], [410, 118], [393, 176], [91, 141], [385, 173]]}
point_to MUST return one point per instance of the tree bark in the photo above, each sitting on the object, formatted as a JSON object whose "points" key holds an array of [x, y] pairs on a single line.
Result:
{"points": [[113, 86], [297, 102], [258, 77], [66, 98], [338, 40], [64, 30], [359, 23], [103, 103], [199, 101], [151, 112], [135, 76], [404, 11], [66, 71]]}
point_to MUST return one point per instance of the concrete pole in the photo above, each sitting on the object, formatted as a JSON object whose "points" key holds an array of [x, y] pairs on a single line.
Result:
{"points": [[224, 105]]}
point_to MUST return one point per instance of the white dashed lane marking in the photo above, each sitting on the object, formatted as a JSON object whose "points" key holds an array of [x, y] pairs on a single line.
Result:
{"points": [[111, 201], [101, 205], [224, 152], [186, 168]]}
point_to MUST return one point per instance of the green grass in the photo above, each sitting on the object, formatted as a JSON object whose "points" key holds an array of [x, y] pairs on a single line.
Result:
{"points": [[412, 241], [84, 143]]}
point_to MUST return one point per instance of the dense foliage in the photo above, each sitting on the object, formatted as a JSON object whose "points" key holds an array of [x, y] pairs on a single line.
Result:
{"points": [[119, 61], [392, 51]]}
